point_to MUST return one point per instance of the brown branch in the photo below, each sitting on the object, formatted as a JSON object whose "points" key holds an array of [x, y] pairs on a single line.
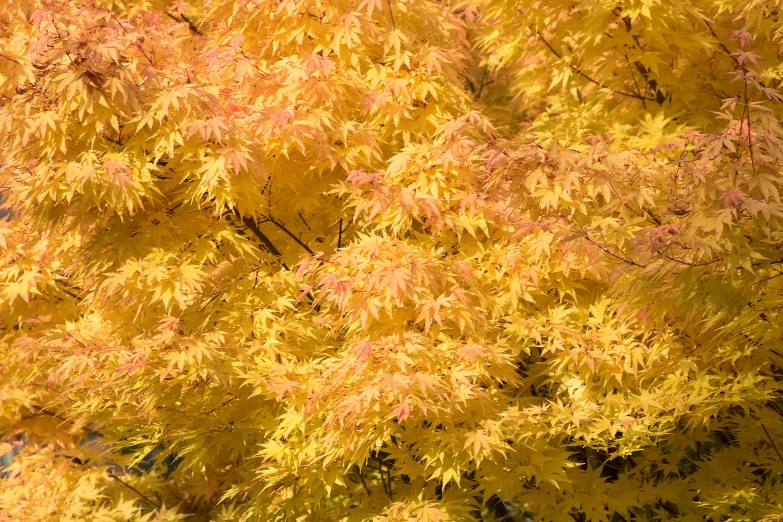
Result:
{"points": [[69, 287], [282, 227], [303, 221], [361, 477], [391, 14], [251, 224], [767, 279], [62, 41], [184, 20], [340, 234], [686, 263], [635, 84], [470, 85], [41, 411], [139, 493], [660, 97], [775, 262], [66, 332], [606, 250], [482, 84], [257, 68], [747, 117], [218, 407], [9, 58], [137, 46], [772, 442], [386, 490], [52, 388], [775, 407], [722, 45], [585, 76], [389, 478]]}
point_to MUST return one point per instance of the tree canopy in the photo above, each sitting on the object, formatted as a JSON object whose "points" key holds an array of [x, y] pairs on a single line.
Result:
{"points": [[391, 260]]}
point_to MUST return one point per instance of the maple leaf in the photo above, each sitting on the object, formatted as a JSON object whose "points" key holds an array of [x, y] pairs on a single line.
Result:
{"points": [[537, 260], [402, 411]]}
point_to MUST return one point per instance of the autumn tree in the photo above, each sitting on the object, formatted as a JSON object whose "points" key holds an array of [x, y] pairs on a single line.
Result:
{"points": [[391, 260]]}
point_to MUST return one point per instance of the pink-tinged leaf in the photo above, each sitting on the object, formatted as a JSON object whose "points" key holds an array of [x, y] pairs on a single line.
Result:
{"points": [[403, 412], [38, 16], [168, 323], [732, 197], [363, 350], [471, 352], [130, 367], [303, 294]]}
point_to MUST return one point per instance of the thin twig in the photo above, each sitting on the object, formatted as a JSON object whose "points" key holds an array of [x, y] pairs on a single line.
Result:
{"points": [[606, 250], [255, 66], [55, 390], [767, 279], [772, 442], [635, 84], [340, 234], [775, 408], [218, 407], [722, 45], [648, 83], [481, 85], [303, 221], [9, 58], [747, 117], [191, 25], [62, 41], [361, 477], [391, 14], [138, 46], [585, 76], [251, 224], [66, 332], [139, 493], [41, 411], [386, 490], [388, 477], [184, 20], [282, 227]]}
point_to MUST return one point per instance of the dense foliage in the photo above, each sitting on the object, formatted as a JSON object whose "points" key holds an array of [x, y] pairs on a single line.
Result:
{"points": [[391, 260]]}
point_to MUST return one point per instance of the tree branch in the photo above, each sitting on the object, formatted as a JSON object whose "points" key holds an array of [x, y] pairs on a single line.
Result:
{"points": [[585, 76], [772, 442], [607, 251], [282, 227], [139, 493], [9, 58], [391, 14], [340, 234], [41, 411], [481, 85], [361, 477], [184, 20], [720, 43], [251, 225]]}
